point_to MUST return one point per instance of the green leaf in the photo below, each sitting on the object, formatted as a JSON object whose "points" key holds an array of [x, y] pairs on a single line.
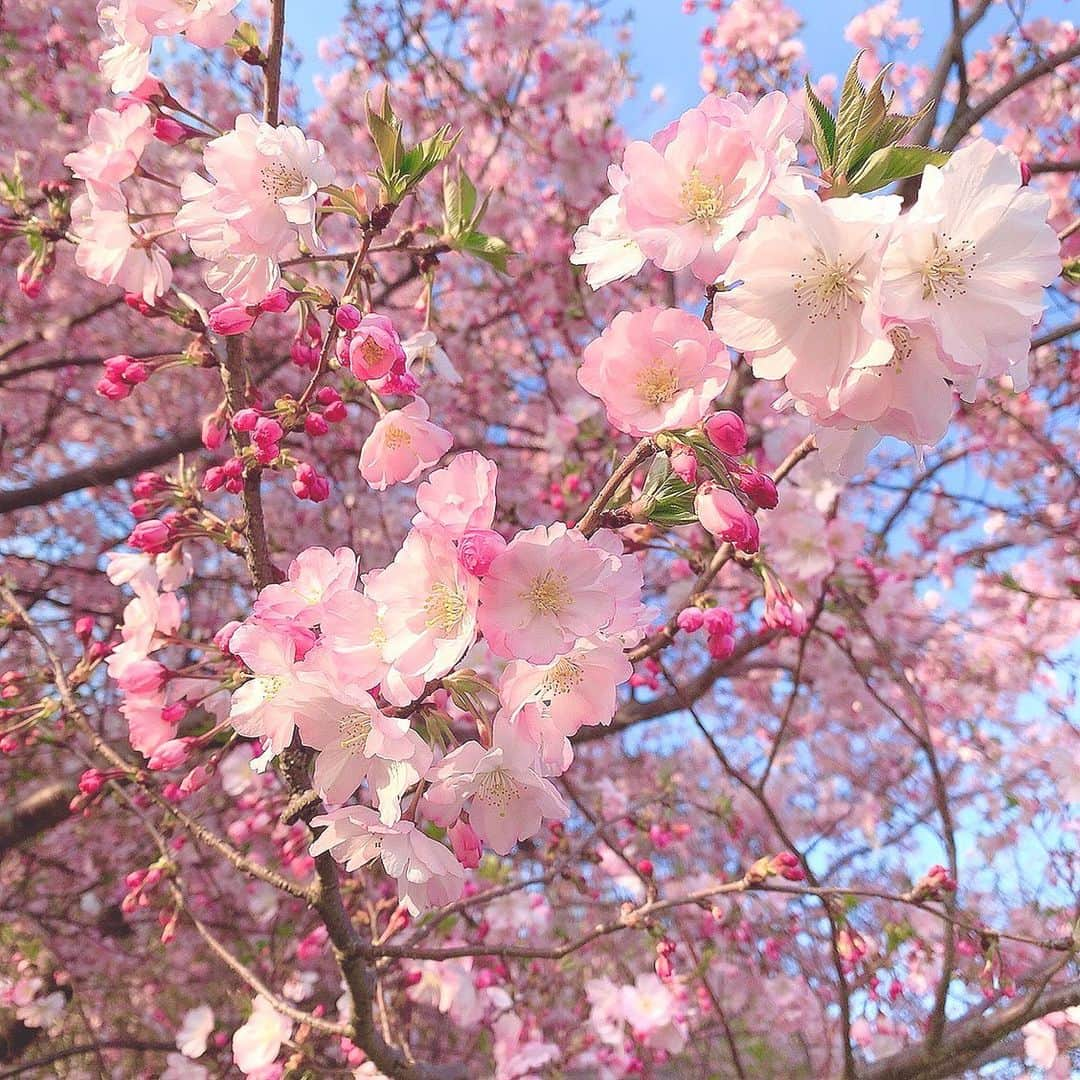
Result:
{"points": [[451, 201], [852, 97], [863, 137], [822, 127], [894, 163], [385, 130], [491, 249]]}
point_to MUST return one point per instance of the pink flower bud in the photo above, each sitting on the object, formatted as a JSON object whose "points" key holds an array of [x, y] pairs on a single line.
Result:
{"points": [[174, 713], [347, 317], [726, 431], [477, 550], [116, 366], [148, 484], [1025, 173], [720, 646], [153, 537], [279, 300], [150, 91], [267, 431], [684, 464], [690, 620], [113, 391], [213, 432], [725, 517], [245, 419], [466, 844], [718, 621], [326, 395], [759, 488], [171, 132], [136, 373], [84, 627], [229, 318], [170, 755], [91, 781], [336, 411], [315, 424]]}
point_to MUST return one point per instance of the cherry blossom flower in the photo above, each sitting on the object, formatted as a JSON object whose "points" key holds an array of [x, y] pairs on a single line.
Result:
{"points": [[194, 1031], [402, 445], [427, 603], [653, 1013], [459, 498], [806, 281], [423, 351], [427, 874], [351, 651], [315, 577], [257, 1042], [576, 688], [117, 140], [518, 1054], [261, 203], [549, 587], [506, 798], [655, 370], [114, 251], [356, 741], [604, 245], [697, 186], [270, 705], [972, 257]]}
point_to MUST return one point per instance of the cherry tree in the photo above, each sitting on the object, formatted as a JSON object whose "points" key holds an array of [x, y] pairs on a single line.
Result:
{"points": [[487, 595]]}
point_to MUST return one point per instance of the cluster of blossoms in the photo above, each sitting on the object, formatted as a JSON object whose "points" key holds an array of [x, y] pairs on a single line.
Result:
{"points": [[354, 673], [870, 317]]}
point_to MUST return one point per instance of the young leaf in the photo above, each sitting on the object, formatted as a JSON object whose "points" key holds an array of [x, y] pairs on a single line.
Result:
{"points": [[822, 128], [894, 163], [852, 97], [491, 249]]}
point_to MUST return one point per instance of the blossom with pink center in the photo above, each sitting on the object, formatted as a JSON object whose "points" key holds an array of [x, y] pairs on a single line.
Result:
{"points": [[427, 874], [691, 193], [257, 1042], [549, 587], [130, 27], [357, 742], [459, 498], [427, 604], [972, 257], [506, 798], [655, 370], [270, 705], [801, 309], [315, 576], [402, 445], [114, 251], [374, 349], [117, 140], [259, 207]]}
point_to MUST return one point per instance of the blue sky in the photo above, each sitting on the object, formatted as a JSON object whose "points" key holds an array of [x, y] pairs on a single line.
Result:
{"points": [[665, 47]]}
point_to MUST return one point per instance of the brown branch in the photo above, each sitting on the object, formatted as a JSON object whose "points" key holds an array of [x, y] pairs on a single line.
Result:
{"points": [[37, 813]]}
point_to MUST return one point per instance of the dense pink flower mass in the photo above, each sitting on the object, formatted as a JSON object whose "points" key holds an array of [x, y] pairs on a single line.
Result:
{"points": [[466, 611]]}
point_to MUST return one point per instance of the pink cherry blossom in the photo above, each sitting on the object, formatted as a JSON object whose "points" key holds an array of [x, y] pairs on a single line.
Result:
{"points": [[972, 258], [549, 587], [402, 445], [459, 498], [655, 370], [117, 140], [604, 245], [259, 207], [257, 1042], [427, 605], [427, 874], [315, 577]]}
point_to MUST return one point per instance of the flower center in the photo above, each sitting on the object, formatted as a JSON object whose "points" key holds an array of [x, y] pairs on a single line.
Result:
{"points": [[270, 685], [353, 730], [563, 676], [703, 200], [549, 593], [828, 287], [657, 384], [945, 274], [396, 437], [371, 352], [281, 181], [445, 607], [499, 788]]}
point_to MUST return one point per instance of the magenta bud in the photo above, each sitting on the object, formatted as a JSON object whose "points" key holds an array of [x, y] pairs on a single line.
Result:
{"points": [[726, 431], [245, 419], [478, 549]]}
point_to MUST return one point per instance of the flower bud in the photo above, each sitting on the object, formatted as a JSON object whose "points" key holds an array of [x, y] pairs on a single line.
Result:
{"points": [[759, 488], [466, 844], [245, 419], [477, 550], [725, 517], [726, 431], [347, 317], [153, 537], [690, 620], [229, 318]]}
